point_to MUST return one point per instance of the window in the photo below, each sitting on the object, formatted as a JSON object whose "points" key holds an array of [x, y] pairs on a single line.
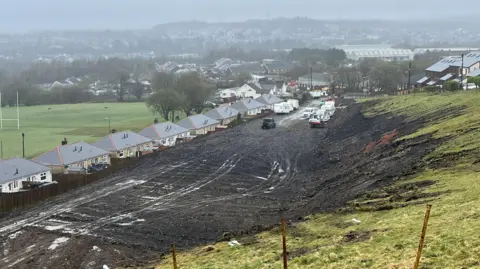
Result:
{"points": [[43, 176], [104, 159], [9, 186], [121, 154], [15, 184]]}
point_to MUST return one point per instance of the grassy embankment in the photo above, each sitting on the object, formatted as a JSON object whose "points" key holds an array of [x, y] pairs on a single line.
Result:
{"points": [[44, 128], [383, 239]]}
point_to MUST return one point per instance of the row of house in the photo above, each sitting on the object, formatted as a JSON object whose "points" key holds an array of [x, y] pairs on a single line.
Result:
{"points": [[19, 174], [455, 68], [255, 90]]}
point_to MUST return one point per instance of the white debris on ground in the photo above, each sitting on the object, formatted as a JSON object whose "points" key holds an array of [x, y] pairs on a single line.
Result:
{"points": [[356, 220], [57, 242], [54, 228], [14, 235], [95, 248], [105, 267], [233, 243]]}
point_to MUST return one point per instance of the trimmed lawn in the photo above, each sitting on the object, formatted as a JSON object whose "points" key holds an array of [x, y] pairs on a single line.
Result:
{"points": [[387, 239], [46, 126]]}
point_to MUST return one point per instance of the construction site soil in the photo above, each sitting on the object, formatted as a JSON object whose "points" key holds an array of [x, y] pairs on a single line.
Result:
{"points": [[238, 181]]}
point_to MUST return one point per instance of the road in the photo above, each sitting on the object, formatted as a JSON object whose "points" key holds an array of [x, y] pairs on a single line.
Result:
{"points": [[230, 181]]}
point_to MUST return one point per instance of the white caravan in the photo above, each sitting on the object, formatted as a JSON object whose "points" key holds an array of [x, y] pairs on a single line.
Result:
{"points": [[282, 108], [294, 103]]}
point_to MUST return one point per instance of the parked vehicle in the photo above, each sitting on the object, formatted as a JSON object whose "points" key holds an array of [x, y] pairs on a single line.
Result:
{"points": [[316, 94], [316, 121], [294, 102], [329, 108], [269, 123], [308, 112], [282, 108], [97, 167]]}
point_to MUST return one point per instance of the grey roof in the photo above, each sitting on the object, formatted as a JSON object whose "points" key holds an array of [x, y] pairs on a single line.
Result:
{"points": [[268, 99], [162, 130], [431, 83], [17, 168], [422, 80], [255, 68], [254, 86], [468, 60], [121, 140], [446, 77], [221, 113], [438, 67], [474, 73], [278, 65], [69, 154], [197, 121], [247, 104], [318, 79]]}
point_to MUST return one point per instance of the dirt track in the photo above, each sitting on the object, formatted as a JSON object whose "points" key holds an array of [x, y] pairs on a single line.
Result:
{"points": [[237, 180]]}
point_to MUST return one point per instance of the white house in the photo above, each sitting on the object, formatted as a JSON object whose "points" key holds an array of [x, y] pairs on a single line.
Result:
{"points": [[269, 100], [247, 91], [248, 107], [165, 133], [199, 124], [228, 93], [14, 172]]}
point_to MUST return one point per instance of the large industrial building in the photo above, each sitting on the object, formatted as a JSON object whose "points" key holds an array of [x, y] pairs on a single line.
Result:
{"points": [[379, 51]]}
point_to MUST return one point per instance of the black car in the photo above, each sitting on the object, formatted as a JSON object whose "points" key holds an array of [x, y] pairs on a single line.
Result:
{"points": [[268, 123]]}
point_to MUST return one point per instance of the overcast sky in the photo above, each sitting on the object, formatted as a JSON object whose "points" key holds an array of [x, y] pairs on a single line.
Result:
{"points": [[27, 15]]}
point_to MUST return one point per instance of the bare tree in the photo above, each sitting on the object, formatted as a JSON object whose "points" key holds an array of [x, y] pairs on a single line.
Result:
{"points": [[195, 91], [165, 102], [122, 86]]}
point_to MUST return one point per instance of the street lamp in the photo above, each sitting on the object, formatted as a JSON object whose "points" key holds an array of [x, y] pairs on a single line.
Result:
{"points": [[109, 129]]}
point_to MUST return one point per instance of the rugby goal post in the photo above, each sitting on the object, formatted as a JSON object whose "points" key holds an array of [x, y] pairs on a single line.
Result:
{"points": [[1, 113]]}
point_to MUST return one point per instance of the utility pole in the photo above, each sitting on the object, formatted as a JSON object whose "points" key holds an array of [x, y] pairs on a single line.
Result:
{"points": [[461, 75], [409, 73], [311, 78], [23, 144]]}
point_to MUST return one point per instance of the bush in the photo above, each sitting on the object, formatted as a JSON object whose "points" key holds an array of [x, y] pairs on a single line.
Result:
{"points": [[452, 86]]}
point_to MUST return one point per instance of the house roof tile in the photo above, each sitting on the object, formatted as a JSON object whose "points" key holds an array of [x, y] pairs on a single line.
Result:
{"points": [[221, 113], [121, 140], [17, 168], [163, 130], [197, 121], [69, 154]]}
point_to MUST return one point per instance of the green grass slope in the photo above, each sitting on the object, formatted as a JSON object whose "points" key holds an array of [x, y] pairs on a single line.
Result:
{"points": [[388, 238], [44, 128]]}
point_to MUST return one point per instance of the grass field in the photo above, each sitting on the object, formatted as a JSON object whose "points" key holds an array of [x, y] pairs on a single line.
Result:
{"points": [[452, 241], [44, 128]]}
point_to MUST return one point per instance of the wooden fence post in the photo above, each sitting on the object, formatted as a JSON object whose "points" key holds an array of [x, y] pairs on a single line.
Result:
{"points": [[174, 256], [422, 237], [284, 242]]}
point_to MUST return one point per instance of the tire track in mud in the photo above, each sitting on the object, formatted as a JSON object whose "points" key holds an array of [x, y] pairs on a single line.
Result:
{"points": [[244, 169]]}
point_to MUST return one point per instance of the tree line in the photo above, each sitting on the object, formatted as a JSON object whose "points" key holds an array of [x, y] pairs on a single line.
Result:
{"points": [[187, 93]]}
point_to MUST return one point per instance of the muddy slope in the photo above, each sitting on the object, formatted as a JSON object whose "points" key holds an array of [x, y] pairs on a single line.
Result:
{"points": [[239, 181]]}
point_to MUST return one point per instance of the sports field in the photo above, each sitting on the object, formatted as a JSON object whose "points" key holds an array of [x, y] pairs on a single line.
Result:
{"points": [[46, 126]]}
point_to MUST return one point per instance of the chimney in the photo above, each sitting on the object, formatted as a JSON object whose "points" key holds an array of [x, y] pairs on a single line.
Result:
{"points": [[75, 149], [80, 149], [64, 142], [16, 172]]}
